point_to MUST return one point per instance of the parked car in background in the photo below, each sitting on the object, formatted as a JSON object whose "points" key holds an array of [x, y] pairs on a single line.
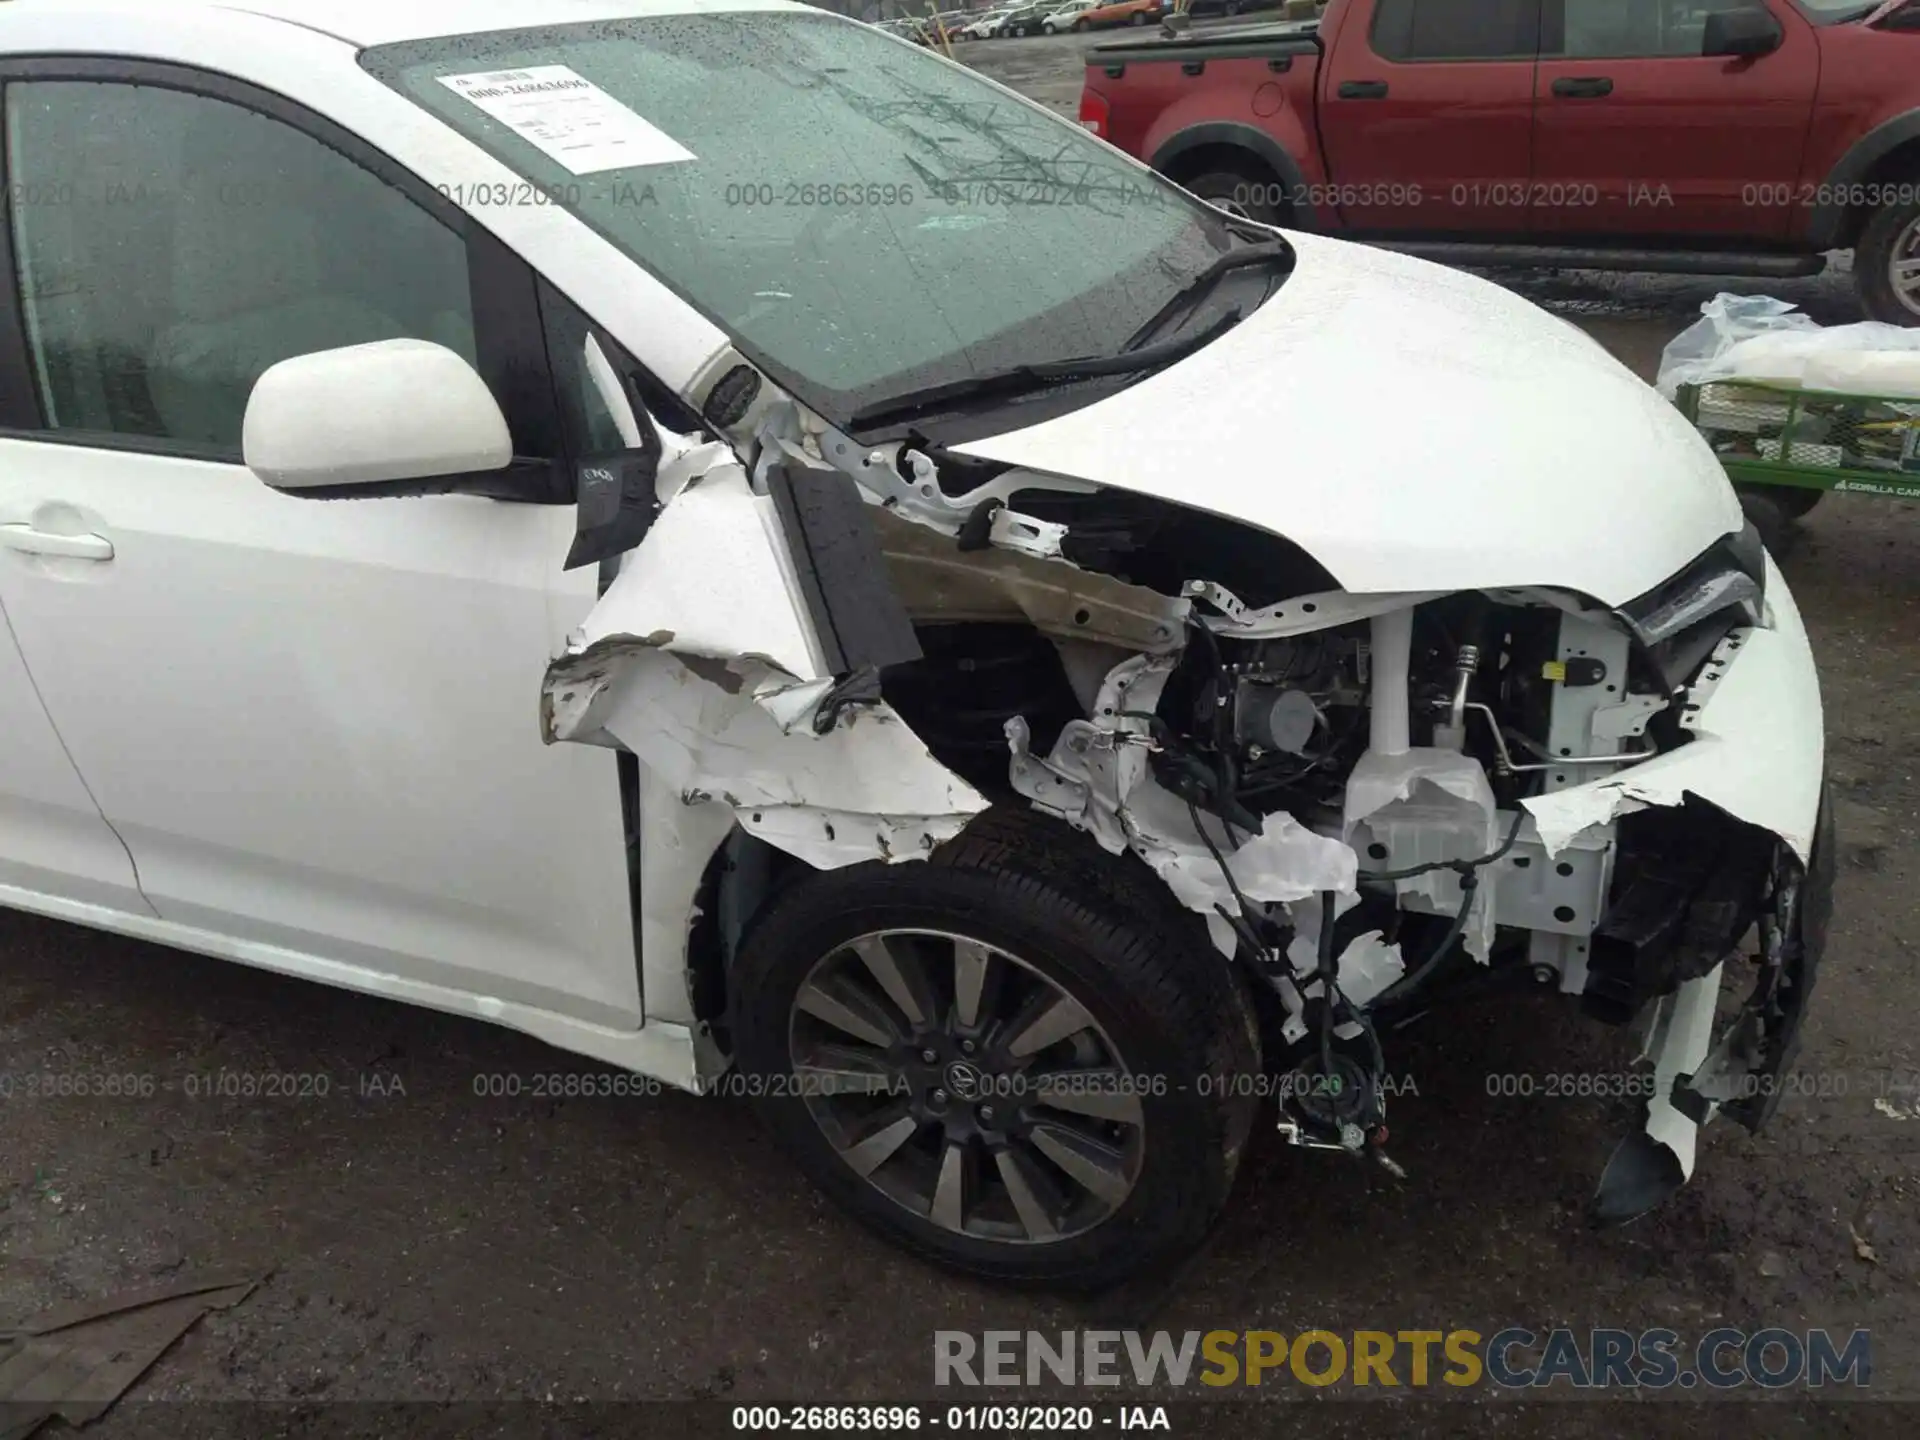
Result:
{"points": [[1025, 20], [1068, 17], [1739, 137], [1122, 12], [984, 26]]}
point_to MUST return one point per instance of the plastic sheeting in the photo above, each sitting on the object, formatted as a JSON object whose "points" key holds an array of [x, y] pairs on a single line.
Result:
{"points": [[1755, 337]]}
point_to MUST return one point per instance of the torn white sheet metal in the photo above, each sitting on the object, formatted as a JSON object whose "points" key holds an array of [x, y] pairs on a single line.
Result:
{"points": [[665, 596], [867, 789], [1678, 1037], [792, 706], [1424, 806], [1757, 748], [686, 462]]}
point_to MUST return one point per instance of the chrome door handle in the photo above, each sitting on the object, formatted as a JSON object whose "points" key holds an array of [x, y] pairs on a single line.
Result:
{"points": [[45, 542]]}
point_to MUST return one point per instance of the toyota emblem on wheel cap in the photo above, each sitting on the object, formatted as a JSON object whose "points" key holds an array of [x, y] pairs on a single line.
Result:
{"points": [[965, 1081]]}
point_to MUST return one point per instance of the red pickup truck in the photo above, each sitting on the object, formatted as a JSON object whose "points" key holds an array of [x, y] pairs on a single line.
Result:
{"points": [[1698, 136]]}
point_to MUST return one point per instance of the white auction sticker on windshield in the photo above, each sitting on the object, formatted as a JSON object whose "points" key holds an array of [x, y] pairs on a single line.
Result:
{"points": [[568, 117]]}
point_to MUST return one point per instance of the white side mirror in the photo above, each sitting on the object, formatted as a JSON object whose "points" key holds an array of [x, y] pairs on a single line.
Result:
{"points": [[373, 414]]}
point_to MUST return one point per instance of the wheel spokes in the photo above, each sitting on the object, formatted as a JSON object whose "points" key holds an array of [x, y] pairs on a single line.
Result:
{"points": [[899, 974], [841, 1006], [1025, 1186], [844, 1070], [1904, 272], [1051, 1017], [868, 1155], [971, 960], [1096, 1168], [949, 1193], [1101, 1094]]}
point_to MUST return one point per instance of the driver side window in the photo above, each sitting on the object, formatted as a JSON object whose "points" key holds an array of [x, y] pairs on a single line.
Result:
{"points": [[172, 246]]}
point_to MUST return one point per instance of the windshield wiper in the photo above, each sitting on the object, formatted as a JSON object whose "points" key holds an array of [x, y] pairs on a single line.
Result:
{"points": [[1023, 379], [1260, 253]]}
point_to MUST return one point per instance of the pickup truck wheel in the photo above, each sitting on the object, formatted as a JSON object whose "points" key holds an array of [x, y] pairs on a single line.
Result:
{"points": [[1769, 518], [1886, 265], [1237, 194], [1797, 501], [1794, 501], [1014, 1059]]}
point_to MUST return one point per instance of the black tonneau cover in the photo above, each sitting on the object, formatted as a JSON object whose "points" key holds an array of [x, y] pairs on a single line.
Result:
{"points": [[1286, 37]]}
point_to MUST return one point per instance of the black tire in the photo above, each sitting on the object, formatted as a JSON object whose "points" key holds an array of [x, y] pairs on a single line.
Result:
{"points": [[1139, 17], [1078, 26], [1769, 518], [1047, 29], [1873, 259], [1241, 194], [1796, 502], [1096, 926]]}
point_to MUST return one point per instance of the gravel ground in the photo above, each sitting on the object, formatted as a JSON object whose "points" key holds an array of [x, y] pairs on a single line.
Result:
{"points": [[423, 1243]]}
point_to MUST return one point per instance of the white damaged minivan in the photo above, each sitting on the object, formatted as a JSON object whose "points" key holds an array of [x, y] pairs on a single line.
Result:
{"points": [[841, 588]]}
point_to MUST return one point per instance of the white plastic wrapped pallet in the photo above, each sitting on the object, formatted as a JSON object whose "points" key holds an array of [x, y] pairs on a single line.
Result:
{"points": [[1756, 337]]}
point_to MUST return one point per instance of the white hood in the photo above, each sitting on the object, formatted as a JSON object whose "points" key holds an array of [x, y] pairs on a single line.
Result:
{"points": [[1411, 428]]}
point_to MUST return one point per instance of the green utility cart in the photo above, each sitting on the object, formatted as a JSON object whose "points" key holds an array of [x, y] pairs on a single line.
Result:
{"points": [[1784, 447]]}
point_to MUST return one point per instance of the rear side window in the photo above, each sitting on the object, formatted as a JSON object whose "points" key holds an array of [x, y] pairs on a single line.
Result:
{"points": [[1411, 30], [172, 246], [1635, 29]]}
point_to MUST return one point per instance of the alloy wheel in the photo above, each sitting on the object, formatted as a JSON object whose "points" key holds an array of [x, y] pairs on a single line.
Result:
{"points": [[1903, 266], [966, 1086]]}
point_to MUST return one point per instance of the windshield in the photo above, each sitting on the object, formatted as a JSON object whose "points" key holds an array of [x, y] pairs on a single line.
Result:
{"points": [[862, 217]]}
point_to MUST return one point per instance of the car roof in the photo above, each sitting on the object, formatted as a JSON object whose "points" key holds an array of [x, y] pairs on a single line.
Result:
{"points": [[379, 22]]}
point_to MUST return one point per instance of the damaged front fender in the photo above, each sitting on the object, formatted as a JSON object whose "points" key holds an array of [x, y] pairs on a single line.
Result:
{"points": [[720, 690], [1757, 746]]}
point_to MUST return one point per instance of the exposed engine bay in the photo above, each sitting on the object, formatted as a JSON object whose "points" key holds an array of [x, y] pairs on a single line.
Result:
{"points": [[1372, 800]]}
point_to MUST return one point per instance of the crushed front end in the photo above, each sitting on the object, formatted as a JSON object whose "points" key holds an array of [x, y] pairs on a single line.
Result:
{"points": [[1370, 798], [1378, 799]]}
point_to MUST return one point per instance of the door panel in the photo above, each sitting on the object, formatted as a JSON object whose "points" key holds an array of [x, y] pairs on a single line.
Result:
{"points": [[1638, 134], [53, 842], [1426, 114], [315, 723]]}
